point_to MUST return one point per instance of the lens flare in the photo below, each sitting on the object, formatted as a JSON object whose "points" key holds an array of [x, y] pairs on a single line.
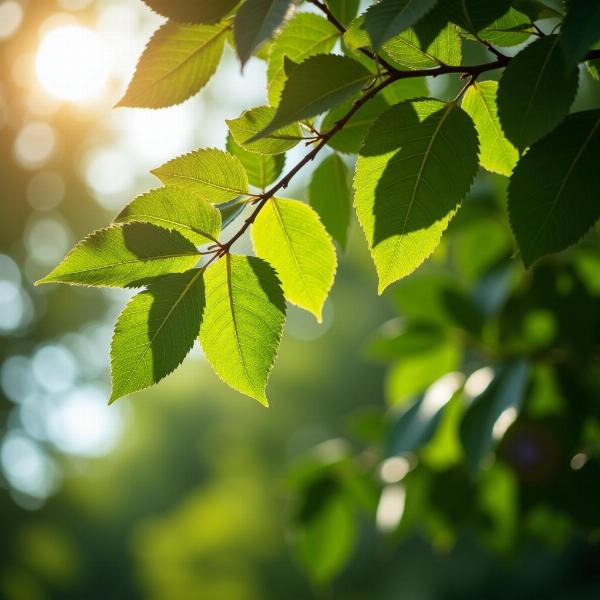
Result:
{"points": [[72, 64]]}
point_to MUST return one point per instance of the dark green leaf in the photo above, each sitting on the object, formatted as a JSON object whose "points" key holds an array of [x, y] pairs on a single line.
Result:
{"points": [[314, 86], [580, 29], [344, 10], [155, 332], [474, 15], [492, 411], [552, 195], [389, 18], [255, 23], [535, 92], [232, 209], [331, 196]]}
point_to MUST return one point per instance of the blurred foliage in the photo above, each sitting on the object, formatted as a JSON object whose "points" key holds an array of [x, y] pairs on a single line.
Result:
{"points": [[361, 474]]}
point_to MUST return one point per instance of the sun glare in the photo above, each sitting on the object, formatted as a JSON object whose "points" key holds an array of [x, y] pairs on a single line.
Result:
{"points": [[72, 64]]}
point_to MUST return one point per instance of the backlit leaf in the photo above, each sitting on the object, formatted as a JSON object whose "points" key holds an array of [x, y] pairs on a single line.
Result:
{"points": [[252, 121], [212, 174], [415, 167], [331, 196], [125, 256], [388, 18], [535, 92], [314, 86], [289, 235], [497, 153], [178, 61], [200, 11], [155, 332], [174, 208], [303, 36], [344, 10], [243, 322], [255, 23], [552, 195], [262, 169]]}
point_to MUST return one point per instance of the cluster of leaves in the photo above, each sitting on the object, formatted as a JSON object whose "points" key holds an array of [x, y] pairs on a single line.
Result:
{"points": [[492, 423], [416, 160]]}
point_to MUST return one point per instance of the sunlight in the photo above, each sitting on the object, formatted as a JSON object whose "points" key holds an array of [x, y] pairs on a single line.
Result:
{"points": [[72, 64]]}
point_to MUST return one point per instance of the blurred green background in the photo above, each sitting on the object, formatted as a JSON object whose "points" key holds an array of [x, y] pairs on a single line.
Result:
{"points": [[363, 480]]}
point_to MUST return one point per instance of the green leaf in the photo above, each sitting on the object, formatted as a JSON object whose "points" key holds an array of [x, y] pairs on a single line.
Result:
{"points": [[351, 137], [289, 235], [344, 10], [212, 174], [331, 196], [231, 210], [125, 256], [327, 535], [184, 11], [580, 30], [487, 417], [252, 121], [304, 35], [552, 195], [535, 92], [155, 332], [475, 15], [255, 23], [314, 86], [173, 208], [593, 66], [510, 29], [416, 165], [243, 321], [407, 51], [389, 18], [497, 154], [420, 421], [178, 61], [261, 169]]}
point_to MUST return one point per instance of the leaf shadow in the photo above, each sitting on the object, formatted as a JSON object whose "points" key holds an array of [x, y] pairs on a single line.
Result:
{"points": [[269, 282]]}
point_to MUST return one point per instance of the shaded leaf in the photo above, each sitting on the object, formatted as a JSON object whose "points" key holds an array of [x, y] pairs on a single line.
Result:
{"points": [[255, 23], [262, 169], [408, 51], [173, 208], [252, 121], [178, 61], [388, 18], [289, 235], [314, 86], [243, 322], [492, 411], [214, 175], [474, 15], [535, 92], [344, 10], [303, 36], [155, 332], [184, 11], [419, 422], [552, 195], [510, 29], [232, 209], [125, 256], [580, 30], [331, 196], [416, 165], [497, 154]]}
